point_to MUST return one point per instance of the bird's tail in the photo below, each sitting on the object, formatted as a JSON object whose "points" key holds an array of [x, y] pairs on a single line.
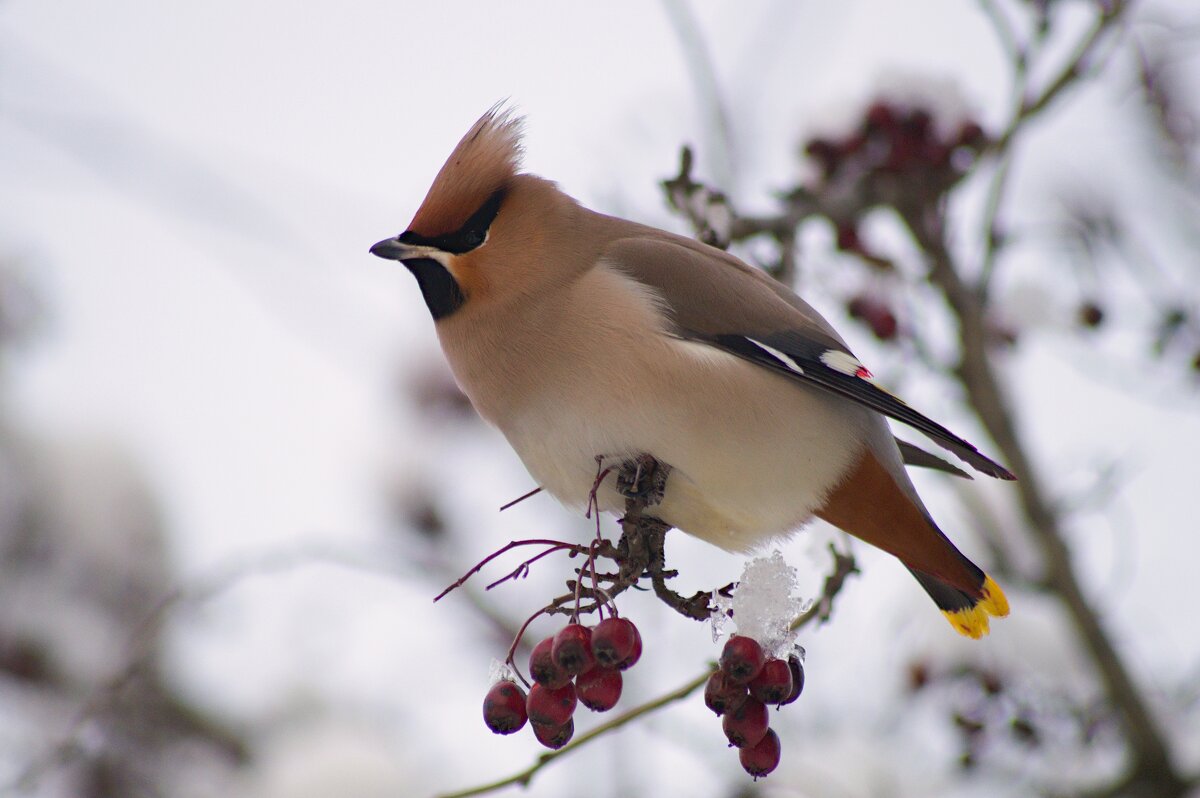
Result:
{"points": [[967, 612]]}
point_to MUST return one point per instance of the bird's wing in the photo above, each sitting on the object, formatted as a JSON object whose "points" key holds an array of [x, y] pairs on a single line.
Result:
{"points": [[915, 456], [716, 299]]}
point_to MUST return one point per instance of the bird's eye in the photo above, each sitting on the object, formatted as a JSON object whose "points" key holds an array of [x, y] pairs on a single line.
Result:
{"points": [[473, 238]]}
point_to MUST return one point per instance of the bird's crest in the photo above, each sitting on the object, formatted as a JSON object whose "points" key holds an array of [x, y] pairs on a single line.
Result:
{"points": [[483, 163]]}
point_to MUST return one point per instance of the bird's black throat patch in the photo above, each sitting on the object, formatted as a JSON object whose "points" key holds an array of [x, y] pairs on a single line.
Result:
{"points": [[442, 293]]}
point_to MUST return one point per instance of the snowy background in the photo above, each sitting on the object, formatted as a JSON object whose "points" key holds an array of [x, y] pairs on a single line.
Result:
{"points": [[220, 387]]}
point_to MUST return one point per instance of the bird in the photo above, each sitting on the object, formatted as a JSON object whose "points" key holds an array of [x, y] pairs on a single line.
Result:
{"points": [[585, 337]]}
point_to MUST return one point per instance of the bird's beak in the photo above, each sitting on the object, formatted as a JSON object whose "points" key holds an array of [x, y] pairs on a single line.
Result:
{"points": [[395, 249]]}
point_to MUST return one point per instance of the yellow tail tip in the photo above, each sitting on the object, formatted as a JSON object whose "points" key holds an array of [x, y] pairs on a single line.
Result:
{"points": [[973, 621], [994, 600]]}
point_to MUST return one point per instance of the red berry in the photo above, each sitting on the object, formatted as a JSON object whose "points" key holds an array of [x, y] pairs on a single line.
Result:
{"points": [[742, 658], [970, 134], [551, 707], [635, 654], [880, 115], [933, 153], [852, 144], [877, 315], [826, 153], [554, 737], [612, 641], [773, 684], [572, 649], [504, 708], [885, 326], [797, 669], [543, 668], [722, 695], [847, 237], [917, 123], [1090, 314], [747, 724], [761, 759], [599, 689]]}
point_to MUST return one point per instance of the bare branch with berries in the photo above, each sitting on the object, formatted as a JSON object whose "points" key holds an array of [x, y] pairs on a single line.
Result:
{"points": [[763, 681]]}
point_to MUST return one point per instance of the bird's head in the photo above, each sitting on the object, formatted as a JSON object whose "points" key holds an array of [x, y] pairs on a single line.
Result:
{"points": [[480, 233]]}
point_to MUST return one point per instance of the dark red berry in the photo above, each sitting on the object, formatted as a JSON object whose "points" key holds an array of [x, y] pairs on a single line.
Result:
{"points": [[847, 237], [761, 759], [742, 658], [599, 689], [572, 649], [970, 134], [773, 684], [876, 314], [551, 707], [797, 669], [852, 145], [917, 123], [612, 641], [504, 708], [635, 654], [554, 737], [991, 682], [880, 116], [544, 669], [747, 724], [1090, 314], [722, 695], [826, 153], [918, 675], [934, 153]]}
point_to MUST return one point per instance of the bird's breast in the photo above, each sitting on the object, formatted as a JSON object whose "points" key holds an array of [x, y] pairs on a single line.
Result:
{"points": [[595, 374]]}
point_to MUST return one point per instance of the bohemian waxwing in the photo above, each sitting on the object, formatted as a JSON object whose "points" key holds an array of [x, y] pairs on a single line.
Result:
{"points": [[582, 335]]}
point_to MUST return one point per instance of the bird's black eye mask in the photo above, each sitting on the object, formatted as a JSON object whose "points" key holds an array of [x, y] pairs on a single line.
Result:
{"points": [[466, 238]]}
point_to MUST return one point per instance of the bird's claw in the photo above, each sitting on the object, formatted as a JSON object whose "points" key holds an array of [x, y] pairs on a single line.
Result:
{"points": [[643, 479]]}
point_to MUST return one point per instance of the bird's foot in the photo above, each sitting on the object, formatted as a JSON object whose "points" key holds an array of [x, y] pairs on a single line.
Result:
{"points": [[643, 480]]}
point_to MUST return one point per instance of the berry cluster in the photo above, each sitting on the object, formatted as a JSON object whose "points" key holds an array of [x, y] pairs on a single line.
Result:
{"points": [[579, 665], [897, 156], [740, 690], [897, 140]]}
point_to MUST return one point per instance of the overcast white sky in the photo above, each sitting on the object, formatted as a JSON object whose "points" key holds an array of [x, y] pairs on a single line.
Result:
{"points": [[194, 188]]}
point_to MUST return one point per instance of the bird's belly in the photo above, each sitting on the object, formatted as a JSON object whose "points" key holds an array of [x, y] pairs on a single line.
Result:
{"points": [[753, 454]]}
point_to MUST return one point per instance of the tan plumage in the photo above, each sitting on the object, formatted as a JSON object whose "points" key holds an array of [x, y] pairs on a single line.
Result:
{"points": [[582, 335]]}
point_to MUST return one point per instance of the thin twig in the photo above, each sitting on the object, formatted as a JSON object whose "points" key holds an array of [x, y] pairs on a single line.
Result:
{"points": [[843, 566], [1077, 64], [1005, 33], [993, 238], [520, 499], [479, 566]]}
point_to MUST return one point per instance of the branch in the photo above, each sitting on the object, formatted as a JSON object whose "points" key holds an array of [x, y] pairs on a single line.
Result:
{"points": [[843, 566], [1151, 758], [1028, 107], [141, 649], [1077, 64]]}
